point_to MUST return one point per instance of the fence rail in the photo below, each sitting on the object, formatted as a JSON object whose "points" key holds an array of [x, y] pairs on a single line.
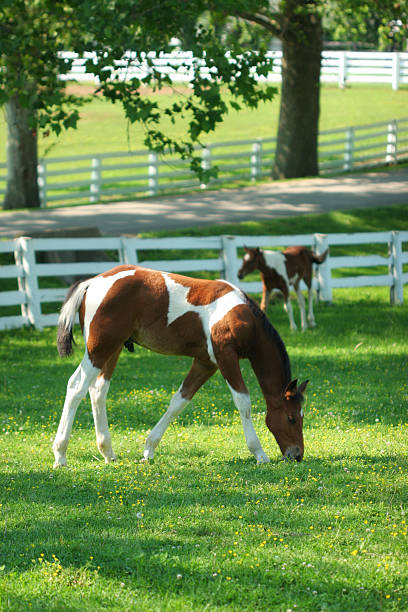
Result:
{"points": [[339, 67], [35, 272], [90, 178]]}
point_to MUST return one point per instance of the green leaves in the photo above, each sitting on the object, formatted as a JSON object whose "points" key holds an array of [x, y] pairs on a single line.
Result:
{"points": [[378, 24], [123, 35]]}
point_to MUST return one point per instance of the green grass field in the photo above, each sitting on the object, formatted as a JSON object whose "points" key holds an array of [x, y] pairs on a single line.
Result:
{"points": [[103, 128], [203, 527]]}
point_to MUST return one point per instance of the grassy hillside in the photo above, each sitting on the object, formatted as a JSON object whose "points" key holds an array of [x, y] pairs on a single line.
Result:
{"points": [[203, 527], [103, 127]]}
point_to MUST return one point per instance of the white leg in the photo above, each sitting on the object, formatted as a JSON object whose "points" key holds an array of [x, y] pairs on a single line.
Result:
{"points": [[77, 388], [302, 307], [177, 403], [310, 315], [288, 307], [243, 403], [98, 392]]}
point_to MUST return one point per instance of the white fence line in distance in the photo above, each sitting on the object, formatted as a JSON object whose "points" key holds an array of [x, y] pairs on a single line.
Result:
{"points": [[90, 178], [341, 67], [34, 289]]}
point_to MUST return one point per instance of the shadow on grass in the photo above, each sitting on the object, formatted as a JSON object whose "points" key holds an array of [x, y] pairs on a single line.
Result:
{"points": [[358, 386], [198, 590], [112, 543], [353, 373]]}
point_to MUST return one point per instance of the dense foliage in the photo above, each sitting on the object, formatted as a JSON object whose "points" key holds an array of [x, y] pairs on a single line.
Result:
{"points": [[36, 31], [377, 24]]}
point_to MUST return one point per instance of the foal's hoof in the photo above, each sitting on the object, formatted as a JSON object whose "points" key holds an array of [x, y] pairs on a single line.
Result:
{"points": [[263, 459], [59, 464], [147, 457], [146, 460], [110, 459]]}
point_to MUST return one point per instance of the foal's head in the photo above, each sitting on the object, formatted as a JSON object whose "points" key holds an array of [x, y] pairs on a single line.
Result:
{"points": [[284, 418], [252, 259]]}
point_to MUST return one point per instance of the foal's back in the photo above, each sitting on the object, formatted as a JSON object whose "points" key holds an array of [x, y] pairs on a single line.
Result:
{"points": [[167, 313], [299, 262]]}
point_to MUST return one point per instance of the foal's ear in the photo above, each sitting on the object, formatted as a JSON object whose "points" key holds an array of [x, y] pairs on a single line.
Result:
{"points": [[290, 390], [302, 386]]}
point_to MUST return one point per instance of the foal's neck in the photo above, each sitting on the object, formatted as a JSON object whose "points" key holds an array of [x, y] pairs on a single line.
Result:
{"points": [[271, 365], [262, 265]]}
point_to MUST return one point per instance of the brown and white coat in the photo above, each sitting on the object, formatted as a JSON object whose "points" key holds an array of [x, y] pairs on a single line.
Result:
{"points": [[211, 321], [279, 271]]}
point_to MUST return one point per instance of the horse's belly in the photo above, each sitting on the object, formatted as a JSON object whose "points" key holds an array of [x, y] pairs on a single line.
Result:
{"points": [[182, 337]]}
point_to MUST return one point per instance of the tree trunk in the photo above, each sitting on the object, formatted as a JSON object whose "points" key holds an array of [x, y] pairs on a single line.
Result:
{"points": [[22, 184], [296, 149]]}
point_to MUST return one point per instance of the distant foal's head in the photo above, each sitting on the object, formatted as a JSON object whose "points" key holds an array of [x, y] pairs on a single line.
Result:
{"points": [[252, 258], [284, 418]]}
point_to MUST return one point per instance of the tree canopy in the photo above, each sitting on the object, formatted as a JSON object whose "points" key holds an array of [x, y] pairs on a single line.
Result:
{"points": [[379, 24], [35, 32], [300, 27]]}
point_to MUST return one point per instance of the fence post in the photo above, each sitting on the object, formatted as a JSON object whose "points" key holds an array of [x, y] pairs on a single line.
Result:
{"points": [[229, 256], [323, 273], [396, 70], [256, 160], [33, 307], [153, 173], [42, 182], [349, 149], [205, 163], [95, 188], [128, 254], [391, 156], [20, 280], [396, 289], [343, 70]]}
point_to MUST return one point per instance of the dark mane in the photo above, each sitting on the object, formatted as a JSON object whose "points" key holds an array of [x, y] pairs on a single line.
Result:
{"points": [[271, 332]]}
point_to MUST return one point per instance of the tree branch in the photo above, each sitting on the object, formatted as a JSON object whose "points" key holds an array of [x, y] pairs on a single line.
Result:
{"points": [[269, 23]]}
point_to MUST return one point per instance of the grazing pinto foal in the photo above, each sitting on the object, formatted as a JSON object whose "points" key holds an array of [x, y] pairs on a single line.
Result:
{"points": [[211, 321], [279, 270]]}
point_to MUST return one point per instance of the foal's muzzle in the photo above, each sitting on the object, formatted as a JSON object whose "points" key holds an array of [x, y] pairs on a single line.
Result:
{"points": [[293, 453]]}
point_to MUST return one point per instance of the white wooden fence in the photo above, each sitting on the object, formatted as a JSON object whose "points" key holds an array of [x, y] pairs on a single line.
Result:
{"points": [[90, 178], [35, 301], [340, 67]]}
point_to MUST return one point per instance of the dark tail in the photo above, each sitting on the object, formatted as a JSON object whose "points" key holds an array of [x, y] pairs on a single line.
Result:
{"points": [[319, 259], [67, 315]]}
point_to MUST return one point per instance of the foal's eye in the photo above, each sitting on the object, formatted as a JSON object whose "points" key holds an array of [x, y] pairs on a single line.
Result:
{"points": [[292, 420]]}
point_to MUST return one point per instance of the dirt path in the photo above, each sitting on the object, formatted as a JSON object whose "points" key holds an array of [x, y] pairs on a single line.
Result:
{"points": [[270, 200]]}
